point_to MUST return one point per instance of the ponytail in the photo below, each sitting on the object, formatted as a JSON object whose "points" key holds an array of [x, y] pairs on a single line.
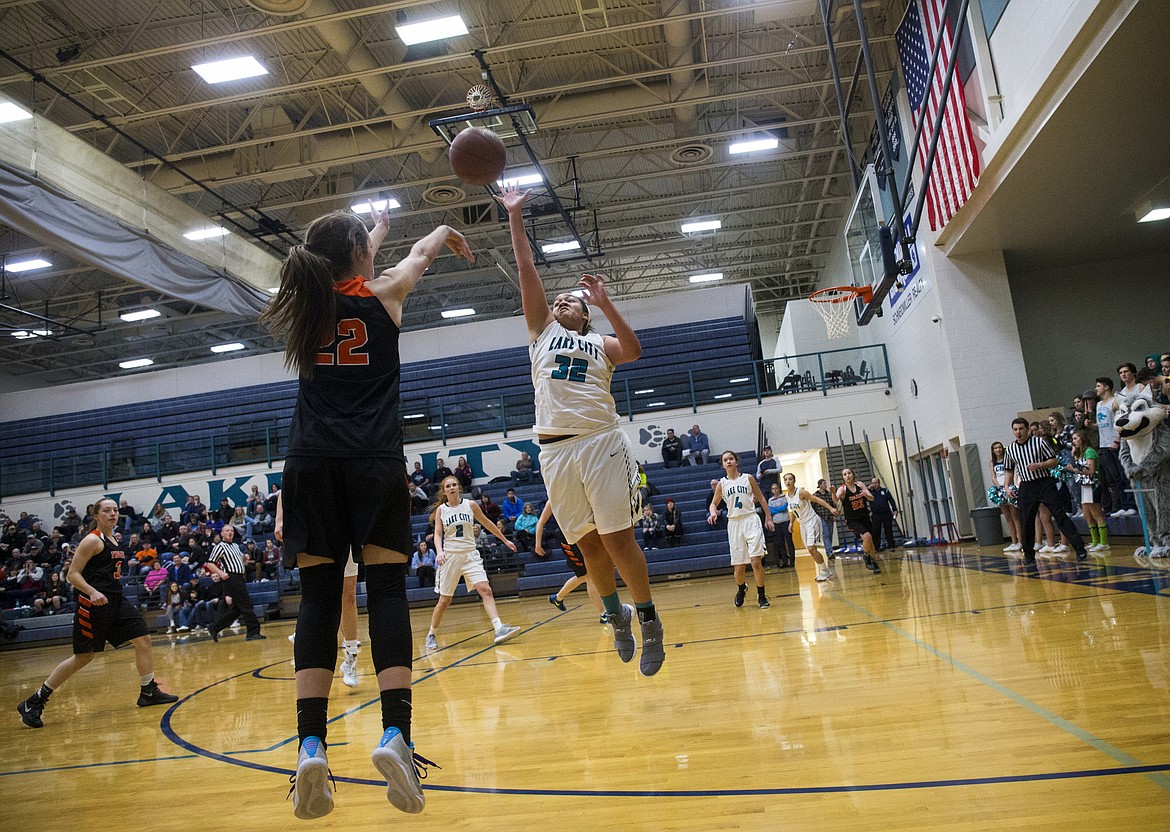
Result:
{"points": [[304, 310]]}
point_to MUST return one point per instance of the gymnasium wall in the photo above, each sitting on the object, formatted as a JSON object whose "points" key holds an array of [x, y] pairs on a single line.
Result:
{"points": [[420, 345], [1079, 322], [794, 423]]}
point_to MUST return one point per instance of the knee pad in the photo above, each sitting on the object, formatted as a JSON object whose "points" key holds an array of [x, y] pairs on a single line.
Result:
{"points": [[390, 636], [320, 616]]}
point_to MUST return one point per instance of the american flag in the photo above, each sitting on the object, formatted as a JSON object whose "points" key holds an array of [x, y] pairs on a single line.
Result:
{"points": [[956, 163]]}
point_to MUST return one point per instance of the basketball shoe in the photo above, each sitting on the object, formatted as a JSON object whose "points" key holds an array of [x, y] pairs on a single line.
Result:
{"points": [[30, 711], [349, 674], [312, 797], [431, 643], [403, 770], [505, 632], [623, 634], [557, 602], [740, 594], [152, 694], [653, 652]]}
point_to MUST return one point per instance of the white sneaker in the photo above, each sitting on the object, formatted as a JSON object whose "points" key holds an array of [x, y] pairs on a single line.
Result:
{"points": [[505, 632], [1045, 550], [292, 637], [1061, 549], [349, 674], [1014, 547], [1130, 512], [1103, 547], [824, 574], [395, 760], [311, 795], [432, 643], [1119, 513], [184, 629]]}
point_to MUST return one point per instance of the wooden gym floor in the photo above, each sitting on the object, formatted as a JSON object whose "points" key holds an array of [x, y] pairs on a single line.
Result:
{"points": [[958, 690]]}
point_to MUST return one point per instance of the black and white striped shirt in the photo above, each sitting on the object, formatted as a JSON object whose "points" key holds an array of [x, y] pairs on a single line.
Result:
{"points": [[1017, 457], [229, 557]]}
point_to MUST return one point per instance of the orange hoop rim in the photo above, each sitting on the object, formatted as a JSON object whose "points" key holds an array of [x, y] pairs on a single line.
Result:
{"points": [[842, 294]]}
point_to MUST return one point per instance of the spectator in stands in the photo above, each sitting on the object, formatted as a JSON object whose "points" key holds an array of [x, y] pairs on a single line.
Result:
{"points": [[12, 541], [525, 528], [419, 500], [145, 559], [168, 530], [208, 598], [35, 531], [672, 450], [270, 560], [240, 521], [698, 449], [148, 535], [195, 511], [1151, 384], [1115, 499], [422, 563], [721, 508], [127, 516], [25, 521], [255, 499], [156, 576], [179, 571], [70, 523], [158, 513], [419, 479], [525, 471], [489, 508], [672, 523], [272, 498], [768, 471], [1130, 387], [440, 473], [30, 582], [645, 488], [779, 541], [884, 510], [261, 522], [464, 474], [510, 509], [58, 594], [651, 525], [225, 511], [172, 602]]}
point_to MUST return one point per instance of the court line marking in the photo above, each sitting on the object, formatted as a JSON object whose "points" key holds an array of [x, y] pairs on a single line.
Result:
{"points": [[1021, 700]]}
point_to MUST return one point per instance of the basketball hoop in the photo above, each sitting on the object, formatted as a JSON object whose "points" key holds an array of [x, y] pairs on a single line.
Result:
{"points": [[479, 98], [835, 305]]}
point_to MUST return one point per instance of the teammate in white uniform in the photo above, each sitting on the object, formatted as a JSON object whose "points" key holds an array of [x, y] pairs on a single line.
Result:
{"points": [[745, 536], [457, 558], [586, 458], [800, 502]]}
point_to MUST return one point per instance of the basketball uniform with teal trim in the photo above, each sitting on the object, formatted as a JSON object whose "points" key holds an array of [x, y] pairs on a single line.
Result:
{"points": [[460, 557], [458, 528], [571, 375], [745, 534], [738, 496]]}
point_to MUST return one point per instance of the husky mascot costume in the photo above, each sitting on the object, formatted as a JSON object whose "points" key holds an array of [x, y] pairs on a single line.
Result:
{"points": [[1145, 456]]}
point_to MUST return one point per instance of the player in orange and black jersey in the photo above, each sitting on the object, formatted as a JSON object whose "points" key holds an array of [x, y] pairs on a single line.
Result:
{"points": [[345, 484], [855, 497], [574, 559], [103, 615]]}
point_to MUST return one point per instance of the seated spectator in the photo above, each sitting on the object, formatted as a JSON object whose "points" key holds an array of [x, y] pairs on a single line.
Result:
{"points": [[270, 560], [12, 540], [146, 559], [156, 576], [419, 500], [30, 582], [419, 479], [464, 474], [127, 516], [172, 602], [186, 613], [148, 535], [70, 523], [225, 510], [240, 521], [57, 596], [209, 595], [441, 471], [489, 508], [270, 500], [698, 449], [525, 471], [157, 513], [179, 571], [645, 487], [672, 523], [168, 530], [652, 531], [510, 509], [525, 528], [422, 563], [721, 519], [255, 500], [37, 532], [261, 522], [672, 450], [194, 511]]}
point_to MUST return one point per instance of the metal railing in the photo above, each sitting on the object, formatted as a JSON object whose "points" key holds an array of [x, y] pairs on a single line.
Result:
{"points": [[444, 417]]}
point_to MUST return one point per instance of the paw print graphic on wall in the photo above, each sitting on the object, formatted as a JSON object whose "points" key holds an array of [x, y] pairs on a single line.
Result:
{"points": [[59, 509], [651, 436]]}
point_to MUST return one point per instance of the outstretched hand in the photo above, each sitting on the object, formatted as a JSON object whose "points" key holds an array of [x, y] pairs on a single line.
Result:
{"points": [[594, 286], [459, 245], [512, 198]]}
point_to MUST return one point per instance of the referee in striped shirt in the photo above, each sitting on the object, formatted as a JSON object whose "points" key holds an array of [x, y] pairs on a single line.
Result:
{"points": [[1029, 462], [227, 561]]}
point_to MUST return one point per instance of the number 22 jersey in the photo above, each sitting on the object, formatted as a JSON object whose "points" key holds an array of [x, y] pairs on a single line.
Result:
{"points": [[571, 375]]}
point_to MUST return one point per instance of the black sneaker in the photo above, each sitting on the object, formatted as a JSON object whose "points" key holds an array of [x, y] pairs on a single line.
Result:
{"points": [[30, 712], [872, 566], [740, 594], [256, 637], [764, 603], [557, 602], [152, 694]]}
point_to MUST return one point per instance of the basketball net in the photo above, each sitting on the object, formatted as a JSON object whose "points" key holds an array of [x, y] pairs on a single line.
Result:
{"points": [[835, 306]]}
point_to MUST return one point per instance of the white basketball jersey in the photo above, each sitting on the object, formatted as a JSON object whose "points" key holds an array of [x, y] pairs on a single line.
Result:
{"points": [[458, 527], [571, 375], [803, 509], [738, 496]]}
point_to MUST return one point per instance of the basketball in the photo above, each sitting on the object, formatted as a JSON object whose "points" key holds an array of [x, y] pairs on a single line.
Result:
{"points": [[478, 156]]}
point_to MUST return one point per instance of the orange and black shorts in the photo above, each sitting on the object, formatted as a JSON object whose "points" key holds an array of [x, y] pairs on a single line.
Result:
{"points": [[116, 622]]}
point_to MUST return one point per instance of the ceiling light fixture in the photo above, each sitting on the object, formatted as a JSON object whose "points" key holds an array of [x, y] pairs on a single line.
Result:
{"points": [[643, 392], [1154, 211], [741, 380], [753, 146], [231, 69], [206, 233], [722, 396], [375, 205], [139, 315], [135, 363], [11, 112], [428, 30], [701, 225], [232, 347], [556, 248], [27, 265], [457, 313], [23, 335], [706, 278], [519, 180]]}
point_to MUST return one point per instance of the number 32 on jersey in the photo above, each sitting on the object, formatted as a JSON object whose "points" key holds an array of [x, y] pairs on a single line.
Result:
{"points": [[351, 336], [572, 369]]}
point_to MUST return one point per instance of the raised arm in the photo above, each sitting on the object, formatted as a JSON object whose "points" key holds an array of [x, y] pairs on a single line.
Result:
{"points": [[537, 314], [394, 284], [624, 346], [805, 494]]}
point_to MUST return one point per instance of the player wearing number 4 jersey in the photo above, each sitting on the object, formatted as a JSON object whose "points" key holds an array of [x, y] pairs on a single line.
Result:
{"points": [[587, 461], [102, 615], [742, 494], [345, 481], [457, 558]]}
